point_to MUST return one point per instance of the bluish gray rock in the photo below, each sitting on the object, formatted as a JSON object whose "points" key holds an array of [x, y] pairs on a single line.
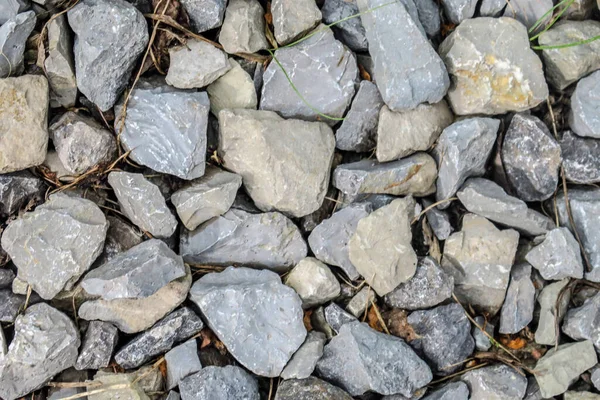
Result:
{"points": [[303, 362], [229, 382], [550, 316], [451, 391], [495, 382], [336, 317], [492, 8], [517, 310], [182, 361], [243, 29], [10, 305], [459, 10], [581, 323], [10, 9], [351, 31], [530, 12], [482, 341], [292, 19], [173, 396], [98, 346], [309, 389], [429, 15], [13, 38], [581, 158], [60, 64], [583, 117], [204, 14], [314, 282], [595, 377], [196, 65], [558, 256], [18, 189], [439, 220]]}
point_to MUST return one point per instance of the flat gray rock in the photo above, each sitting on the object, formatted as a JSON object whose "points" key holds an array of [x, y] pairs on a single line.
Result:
{"points": [[531, 158], [292, 19], [110, 35], [517, 310], [581, 158], [204, 14], [165, 128], [439, 220], [583, 116], [268, 326], [459, 10], [10, 9], [492, 76], [581, 323], [336, 317], [60, 64], [351, 31], [387, 364], [558, 256], [43, 246], [235, 89], [495, 382], [98, 346], [229, 382], [404, 81], [143, 203], [530, 12], [361, 302], [45, 343], [451, 391], [18, 189], [243, 30], [182, 361], [196, 65], [267, 240], [13, 38], [314, 282], [10, 305], [549, 317], [251, 145], [309, 389], [303, 362]]}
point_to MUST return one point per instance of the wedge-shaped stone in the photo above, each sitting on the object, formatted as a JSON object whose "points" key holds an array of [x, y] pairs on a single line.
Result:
{"points": [[581, 158], [98, 346], [17, 189], [583, 117], [580, 323], [60, 64]]}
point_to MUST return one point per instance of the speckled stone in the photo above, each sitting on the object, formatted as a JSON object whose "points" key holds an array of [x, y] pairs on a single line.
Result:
{"points": [[350, 31], [17, 189], [459, 10], [495, 382], [581, 323], [583, 117], [310, 388], [517, 310], [336, 317], [229, 382], [98, 346], [557, 256], [204, 14], [581, 158]]}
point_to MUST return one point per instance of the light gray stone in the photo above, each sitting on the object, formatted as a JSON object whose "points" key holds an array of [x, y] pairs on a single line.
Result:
{"points": [[314, 282], [243, 30], [451, 391], [558, 256], [572, 395], [492, 8], [517, 310], [17, 190], [351, 31], [360, 302], [293, 18], [482, 341], [233, 90], [229, 382], [204, 14], [495, 382], [583, 116], [13, 38], [336, 317], [459, 10], [530, 12], [439, 220], [182, 361], [595, 377], [196, 65], [581, 158], [309, 389], [10, 8], [581, 323], [60, 64], [98, 346], [546, 329], [303, 362]]}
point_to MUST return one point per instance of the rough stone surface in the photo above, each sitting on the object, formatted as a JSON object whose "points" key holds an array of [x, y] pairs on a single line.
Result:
{"points": [[120, 237], [360, 302], [98, 346], [350, 31], [580, 9], [6, 278], [233, 90], [55, 244], [196, 65], [10, 9], [143, 203], [13, 38], [452, 391], [336, 317], [531, 158], [496, 382], [309, 389], [492, 76], [480, 258], [314, 282], [546, 329], [572, 395], [439, 220], [558, 256], [251, 144], [581, 158], [387, 364], [583, 116], [530, 12], [126, 388], [110, 35], [482, 341], [60, 64], [17, 190], [517, 311], [303, 362], [10, 305], [581, 323], [400, 134], [459, 10], [229, 382], [429, 16], [204, 14], [182, 361], [293, 18], [492, 8], [243, 30]]}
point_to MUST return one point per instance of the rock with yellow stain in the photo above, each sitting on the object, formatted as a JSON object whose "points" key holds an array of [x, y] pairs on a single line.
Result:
{"points": [[492, 67]]}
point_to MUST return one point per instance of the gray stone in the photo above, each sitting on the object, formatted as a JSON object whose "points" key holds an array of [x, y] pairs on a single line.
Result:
{"points": [[120, 237], [10, 8], [174, 328], [517, 311], [381, 248], [98, 346], [233, 90], [60, 65], [182, 361], [571, 395], [6, 278], [427, 288], [583, 116], [229, 382], [251, 145], [581, 158], [314, 282], [492, 8], [581, 323], [143, 203], [558, 256], [350, 31], [451, 391], [561, 367], [196, 65], [439, 220], [567, 65], [55, 244], [53, 164], [10, 305], [13, 38], [462, 151], [400, 134], [482, 341], [322, 59], [487, 199], [303, 362], [173, 396], [82, 143], [360, 302], [495, 382], [580, 10], [204, 14], [387, 364], [459, 10], [444, 337], [404, 82], [358, 130], [17, 190], [24, 129], [533, 390], [530, 12], [309, 389], [267, 240], [45, 343], [546, 329], [491, 76], [480, 257], [336, 317], [531, 158], [292, 19], [595, 377], [243, 30], [110, 35], [413, 175], [429, 15]]}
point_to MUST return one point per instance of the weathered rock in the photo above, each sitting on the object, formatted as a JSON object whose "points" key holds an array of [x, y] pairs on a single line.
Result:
{"points": [[491, 76], [13, 38], [530, 12], [10, 305], [60, 65], [581, 158], [496, 382], [531, 158], [581, 323], [204, 14], [350, 31], [55, 244], [480, 258], [567, 65], [251, 144], [462, 151], [357, 132], [54, 165], [98, 346], [322, 59], [314, 282], [268, 328], [292, 19], [482, 341], [10, 8], [303, 362], [546, 330], [439, 220], [3, 344], [459, 10], [233, 90], [24, 128], [120, 237], [451, 391], [196, 65], [142, 202], [400, 134], [492, 8], [360, 302], [110, 35], [45, 343], [309, 389], [173, 396], [583, 116], [427, 288], [559, 368], [558, 256], [517, 311], [229, 382], [6, 278], [17, 190], [336, 317], [387, 364], [243, 30], [580, 10], [429, 16], [182, 361], [268, 240], [572, 395], [117, 386]]}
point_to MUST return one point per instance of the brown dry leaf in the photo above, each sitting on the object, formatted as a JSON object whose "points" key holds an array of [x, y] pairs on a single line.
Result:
{"points": [[447, 29], [364, 74], [162, 367], [513, 343], [306, 320], [208, 337], [398, 325], [268, 14], [373, 320]]}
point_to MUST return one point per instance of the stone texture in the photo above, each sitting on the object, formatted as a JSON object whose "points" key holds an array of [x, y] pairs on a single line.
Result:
{"points": [[360, 302], [439, 220], [303, 362], [204, 14], [495, 382], [459, 10], [118, 386], [98, 346], [110, 35], [233, 90], [558, 256], [429, 16], [120, 237], [55, 244], [24, 114], [243, 30], [13, 38], [10, 305], [595, 377], [530, 12], [583, 115], [251, 144], [309, 389], [581, 158], [351, 31], [17, 190], [336, 317], [10, 9], [267, 328], [580, 10], [480, 257], [482, 341], [492, 76], [546, 329], [517, 311], [531, 158], [60, 64], [3, 344], [143, 203], [6, 278], [400, 134], [571, 395], [314, 282], [492, 8], [182, 361], [229, 382], [451, 391], [581, 323], [196, 65], [293, 18]]}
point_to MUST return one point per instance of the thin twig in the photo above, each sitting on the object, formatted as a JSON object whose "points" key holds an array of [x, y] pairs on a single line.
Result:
{"points": [[418, 217], [379, 318], [457, 374]]}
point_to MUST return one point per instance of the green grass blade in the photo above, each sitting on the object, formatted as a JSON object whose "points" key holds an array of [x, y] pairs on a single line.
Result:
{"points": [[543, 17], [553, 21], [565, 45]]}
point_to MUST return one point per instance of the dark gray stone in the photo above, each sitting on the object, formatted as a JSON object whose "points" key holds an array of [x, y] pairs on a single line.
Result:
{"points": [[229, 382], [451, 391], [336, 317], [13, 38], [495, 382], [517, 310], [583, 117], [6, 278], [10, 305], [439, 220], [581, 323], [309, 389], [558, 256], [98, 346], [204, 14], [350, 31], [429, 15], [17, 190], [182, 361], [459, 10], [120, 237], [581, 158], [303, 362]]}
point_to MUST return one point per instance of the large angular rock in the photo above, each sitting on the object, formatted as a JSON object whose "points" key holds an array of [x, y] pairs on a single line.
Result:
{"points": [[531, 158], [110, 35], [314, 282], [581, 323], [322, 59], [462, 151], [45, 343], [229, 382], [268, 240], [24, 128], [451, 391], [558, 256], [459, 10], [480, 258], [13, 38], [204, 14], [243, 30], [98, 346], [400, 134], [549, 318], [143, 203], [486, 198], [292, 19], [530, 12], [17, 190], [492, 76], [309, 389], [583, 116], [387, 364], [235, 89], [165, 128], [303, 362], [251, 144], [182, 361], [581, 158], [55, 244], [10, 9], [495, 382], [350, 31], [196, 65], [60, 64], [517, 310]]}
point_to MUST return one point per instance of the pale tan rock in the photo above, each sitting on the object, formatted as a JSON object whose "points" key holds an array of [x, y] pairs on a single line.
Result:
{"points": [[235, 89], [314, 282]]}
